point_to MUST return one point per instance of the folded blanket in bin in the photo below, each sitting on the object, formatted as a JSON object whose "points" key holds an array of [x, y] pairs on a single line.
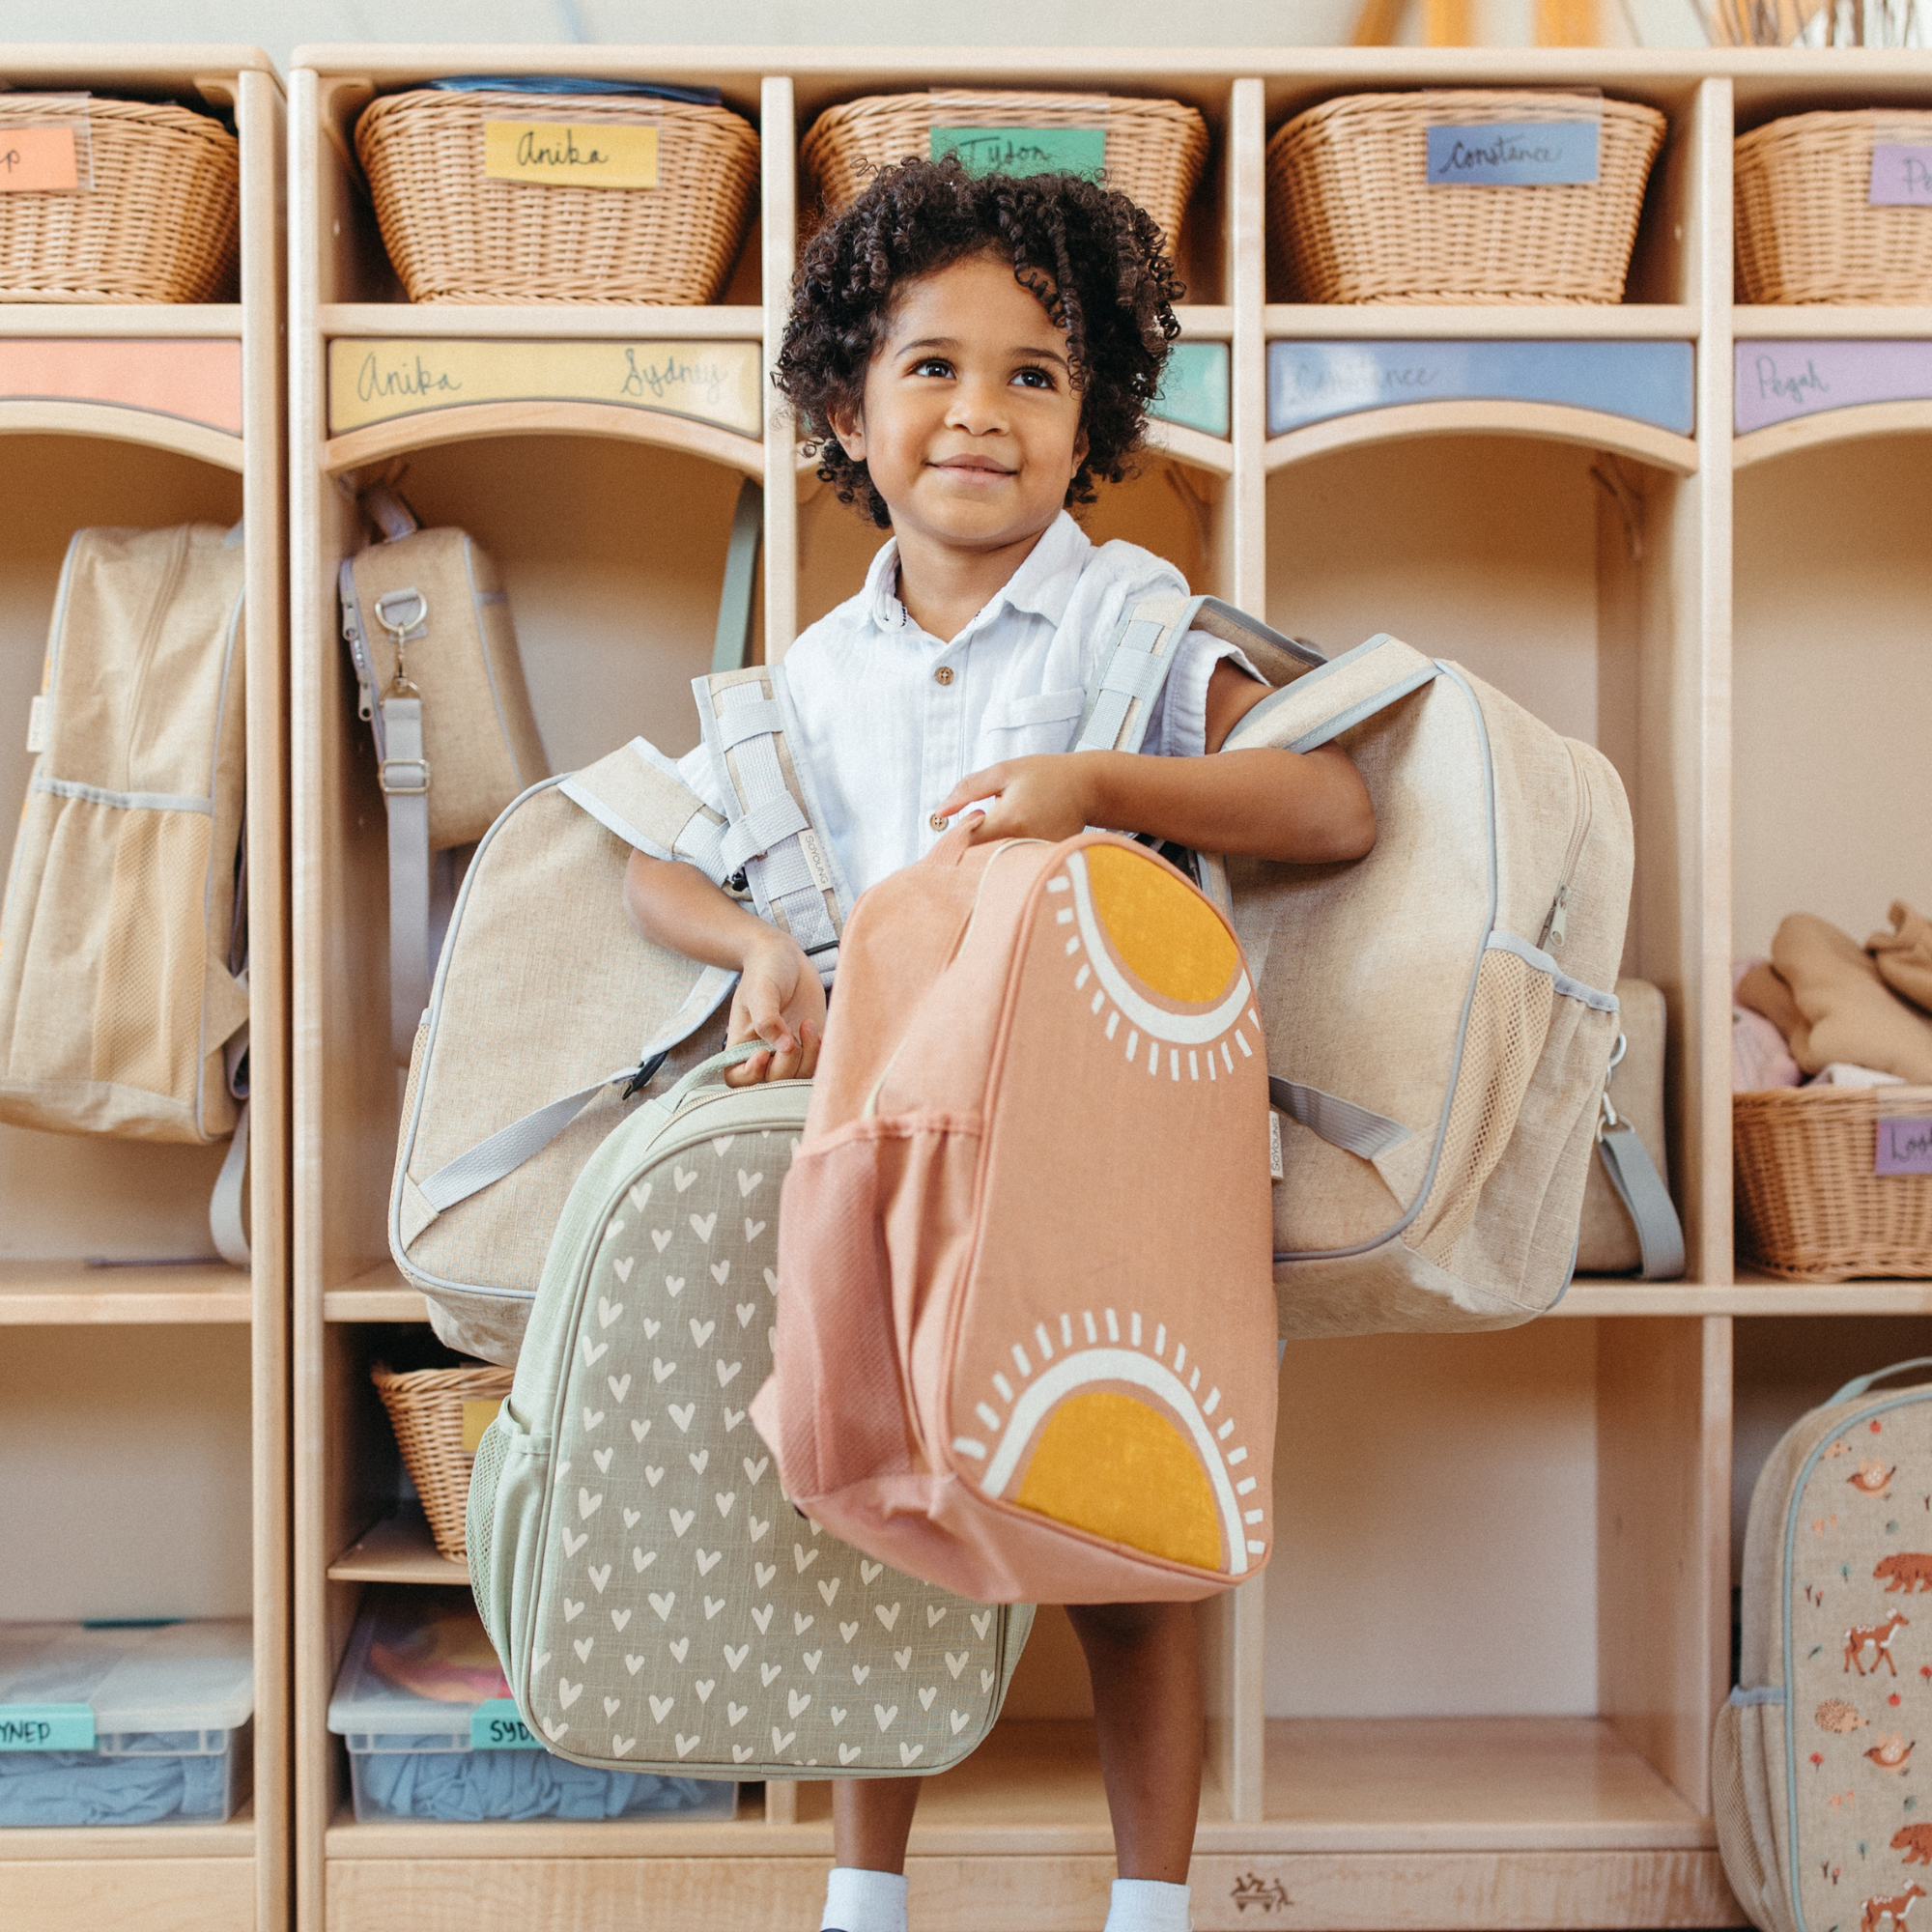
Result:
{"points": [[467, 1787], [85, 1788]]}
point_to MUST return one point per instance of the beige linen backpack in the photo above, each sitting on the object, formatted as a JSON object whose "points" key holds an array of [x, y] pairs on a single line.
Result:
{"points": [[124, 996]]}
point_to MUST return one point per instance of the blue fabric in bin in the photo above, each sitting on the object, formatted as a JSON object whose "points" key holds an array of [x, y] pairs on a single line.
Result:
{"points": [[85, 1788], [467, 1787]]}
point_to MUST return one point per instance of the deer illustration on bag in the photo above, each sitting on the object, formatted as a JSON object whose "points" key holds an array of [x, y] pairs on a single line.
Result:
{"points": [[1879, 1636], [1879, 1910]]}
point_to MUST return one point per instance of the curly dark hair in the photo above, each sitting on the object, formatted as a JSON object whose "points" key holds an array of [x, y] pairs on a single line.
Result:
{"points": [[1095, 259]]}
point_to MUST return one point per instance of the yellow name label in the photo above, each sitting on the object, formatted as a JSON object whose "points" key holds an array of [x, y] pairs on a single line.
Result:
{"points": [[375, 380], [563, 154], [478, 1416]]}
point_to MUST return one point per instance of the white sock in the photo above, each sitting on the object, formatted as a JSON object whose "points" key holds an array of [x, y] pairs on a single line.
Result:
{"points": [[866, 1901], [1146, 1904]]}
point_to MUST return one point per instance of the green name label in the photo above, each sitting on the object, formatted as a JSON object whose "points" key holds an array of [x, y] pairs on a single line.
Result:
{"points": [[25, 1727], [496, 1726], [1194, 387], [1024, 150]]}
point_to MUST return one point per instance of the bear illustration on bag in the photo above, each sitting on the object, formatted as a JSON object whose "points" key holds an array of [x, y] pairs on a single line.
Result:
{"points": [[1916, 1842], [1906, 1570]]}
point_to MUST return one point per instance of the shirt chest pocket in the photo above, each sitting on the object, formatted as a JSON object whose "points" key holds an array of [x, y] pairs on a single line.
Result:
{"points": [[1019, 728]]}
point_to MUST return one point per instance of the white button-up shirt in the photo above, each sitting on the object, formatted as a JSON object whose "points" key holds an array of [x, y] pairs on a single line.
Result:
{"points": [[890, 719]]}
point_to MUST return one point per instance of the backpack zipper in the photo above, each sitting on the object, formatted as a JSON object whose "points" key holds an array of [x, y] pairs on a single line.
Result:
{"points": [[1556, 922], [158, 612]]}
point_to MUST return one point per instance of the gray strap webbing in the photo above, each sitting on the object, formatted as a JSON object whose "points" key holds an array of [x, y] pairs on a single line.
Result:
{"points": [[1134, 669], [792, 875], [225, 1221], [1342, 1124], [731, 649], [1758, 1694], [637, 792], [1341, 693], [403, 773], [509, 1148], [1660, 1234]]}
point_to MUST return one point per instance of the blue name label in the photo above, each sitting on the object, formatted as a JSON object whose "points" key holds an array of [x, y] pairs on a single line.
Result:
{"points": [[1513, 154], [496, 1726], [35, 1728]]}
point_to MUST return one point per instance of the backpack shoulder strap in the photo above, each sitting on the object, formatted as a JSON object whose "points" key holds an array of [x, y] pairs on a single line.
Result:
{"points": [[773, 838], [1329, 698], [1134, 668], [636, 792]]}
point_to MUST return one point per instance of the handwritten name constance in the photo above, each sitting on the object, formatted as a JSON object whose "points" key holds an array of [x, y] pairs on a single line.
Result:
{"points": [[1465, 157]]}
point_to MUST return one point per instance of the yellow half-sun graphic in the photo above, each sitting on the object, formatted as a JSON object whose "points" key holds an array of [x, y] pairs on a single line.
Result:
{"points": [[1165, 971], [1108, 1432]]}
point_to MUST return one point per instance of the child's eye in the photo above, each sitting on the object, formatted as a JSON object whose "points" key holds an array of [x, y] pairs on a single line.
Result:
{"points": [[932, 365], [1034, 378]]}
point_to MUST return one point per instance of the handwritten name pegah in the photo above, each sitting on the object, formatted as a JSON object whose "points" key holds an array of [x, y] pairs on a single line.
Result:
{"points": [[1796, 388], [1464, 157], [414, 378]]}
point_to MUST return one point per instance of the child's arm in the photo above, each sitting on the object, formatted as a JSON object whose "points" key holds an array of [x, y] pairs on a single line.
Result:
{"points": [[1308, 807], [779, 999]]}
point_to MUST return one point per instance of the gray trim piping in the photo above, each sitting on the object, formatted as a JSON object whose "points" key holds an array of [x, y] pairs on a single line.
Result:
{"points": [[1249, 719], [124, 801], [1540, 961], [1377, 702]]}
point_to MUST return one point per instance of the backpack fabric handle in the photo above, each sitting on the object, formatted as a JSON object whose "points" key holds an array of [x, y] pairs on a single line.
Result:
{"points": [[1341, 694], [1634, 1175], [1861, 1384]]}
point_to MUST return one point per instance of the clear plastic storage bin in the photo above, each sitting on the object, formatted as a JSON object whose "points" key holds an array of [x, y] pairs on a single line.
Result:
{"points": [[432, 1732], [124, 1723]]}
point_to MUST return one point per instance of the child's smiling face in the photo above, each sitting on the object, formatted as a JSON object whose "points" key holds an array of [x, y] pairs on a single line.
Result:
{"points": [[970, 425]]}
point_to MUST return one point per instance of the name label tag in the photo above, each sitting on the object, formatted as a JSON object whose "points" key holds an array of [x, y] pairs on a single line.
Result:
{"points": [[1902, 176], [1513, 154], [1023, 151], [50, 1728], [478, 1416], [561, 154], [495, 1725], [1904, 1146], [38, 160]]}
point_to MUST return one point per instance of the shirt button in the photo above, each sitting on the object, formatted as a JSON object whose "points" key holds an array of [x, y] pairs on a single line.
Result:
{"points": [[937, 823], [943, 675]]}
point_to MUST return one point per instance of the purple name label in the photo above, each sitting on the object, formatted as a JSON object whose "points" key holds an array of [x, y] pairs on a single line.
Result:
{"points": [[1902, 176], [1904, 1146], [1777, 381]]}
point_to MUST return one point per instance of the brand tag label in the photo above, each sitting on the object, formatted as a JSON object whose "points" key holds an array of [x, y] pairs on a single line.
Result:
{"points": [[38, 160], [1902, 176], [1904, 1146], [1023, 151], [495, 1725], [559, 153], [1274, 1145], [37, 1728], [39, 717], [478, 1413], [814, 860], [1513, 154]]}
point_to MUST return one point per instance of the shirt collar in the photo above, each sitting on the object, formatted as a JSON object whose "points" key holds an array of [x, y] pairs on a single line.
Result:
{"points": [[1042, 587]]}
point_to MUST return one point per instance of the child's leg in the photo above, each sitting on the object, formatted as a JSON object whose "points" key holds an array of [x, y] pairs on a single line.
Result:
{"points": [[1145, 1663], [871, 1818]]}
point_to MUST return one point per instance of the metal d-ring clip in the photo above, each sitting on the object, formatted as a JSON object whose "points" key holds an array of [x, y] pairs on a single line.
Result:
{"points": [[389, 609], [1608, 1118]]}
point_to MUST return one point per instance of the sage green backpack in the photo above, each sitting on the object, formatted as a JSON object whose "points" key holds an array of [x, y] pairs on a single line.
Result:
{"points": [[656, 1601]]}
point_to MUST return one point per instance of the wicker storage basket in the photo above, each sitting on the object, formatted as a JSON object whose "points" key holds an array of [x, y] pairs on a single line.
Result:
{"points": [[1809, 1206], [1807, 232], [426, 1411], [160, 223], [1155, 149], [1351, 216], [457, 236]]}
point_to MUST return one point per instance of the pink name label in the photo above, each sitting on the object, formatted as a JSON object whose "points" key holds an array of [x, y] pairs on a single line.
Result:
{"points": [[1904, 1146], [1902, 176]]}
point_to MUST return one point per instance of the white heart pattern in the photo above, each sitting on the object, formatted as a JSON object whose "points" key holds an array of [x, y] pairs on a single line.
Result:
{"points": [[642, 1559], [621, 1268], [661, 1707], [983, 1623], [847, 1752], [958, 1719], [572, 1543], [631, 1518], [745, 1310], [682, 1520], [797, 1702], [748, 1184], [704, 1687], [706, 1562], [678, 1649], [829, 1588], [607, 1312], [752, 1229], [698, 1458], [724, 1499], [591, 1418], [869, 1570], [736, 1713], [755, 1472], [619, 1386], [703, 1229], [721, 1272], [662, 1605], [955, 1664], [903, 1658], [805, 1558], [653, 1477], [811, 1658], [593, 1352], [619, 1618], [660, 1238], [661, 1370], [757, 1528], [622, 1747], [767, 1672], [641, 1197], [681, 1416], [887, 1617], [884, 1715], [602, 1457], [848, 1631], [933, 1613], [633, 1664], [682, 1178], [764, 1572], [700, 1332], [600, 1575], [567, 1692], [736, 1659], [673, 1286], [911, 1753], [927, 1696]]}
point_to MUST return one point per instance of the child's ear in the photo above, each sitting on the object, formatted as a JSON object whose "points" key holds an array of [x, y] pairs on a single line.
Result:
{"points": [[848, 425], [1079, 454]]}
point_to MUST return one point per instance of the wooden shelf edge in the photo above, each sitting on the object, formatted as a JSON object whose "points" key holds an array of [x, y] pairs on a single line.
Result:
{"points": [[68, 1293], [1827, 322], [23, 417], [398, 1548], [1555, 422], [1602, 1297], [1633, 321], [77, 1843], [542, 322], [1847, 425], [134, 321], [471, 422]]}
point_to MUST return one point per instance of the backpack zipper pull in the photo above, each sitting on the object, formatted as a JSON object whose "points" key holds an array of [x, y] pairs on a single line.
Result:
{"points": [[1556, 926]]}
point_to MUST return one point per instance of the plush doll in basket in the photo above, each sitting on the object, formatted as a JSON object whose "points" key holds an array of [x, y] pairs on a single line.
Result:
{"points": [[973, 357]]}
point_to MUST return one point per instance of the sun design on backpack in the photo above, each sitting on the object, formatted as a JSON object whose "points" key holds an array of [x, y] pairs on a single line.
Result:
{"points": [[1166, 973], [1108, 1432]]}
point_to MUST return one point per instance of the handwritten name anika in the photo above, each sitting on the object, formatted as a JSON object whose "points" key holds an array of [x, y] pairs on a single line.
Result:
{"points": [[413, 378], [532, 153]]}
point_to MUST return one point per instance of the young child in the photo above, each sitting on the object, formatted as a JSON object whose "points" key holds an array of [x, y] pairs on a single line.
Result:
{"points": [[971, 356]]}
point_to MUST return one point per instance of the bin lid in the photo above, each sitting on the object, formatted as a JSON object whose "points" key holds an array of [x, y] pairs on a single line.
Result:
{"points": [[419, 1664], [196, 1676]]}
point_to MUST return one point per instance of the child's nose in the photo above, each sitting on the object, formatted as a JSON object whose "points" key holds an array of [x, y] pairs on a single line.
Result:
{"points": [[979, 408]]}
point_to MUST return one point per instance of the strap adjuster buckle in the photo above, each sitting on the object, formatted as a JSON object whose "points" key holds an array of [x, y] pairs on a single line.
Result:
{"points": [[403, 787]]}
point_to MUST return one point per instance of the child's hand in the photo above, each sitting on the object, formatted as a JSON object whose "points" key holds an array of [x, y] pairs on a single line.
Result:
{"points": [[781, 1001], [1052, 796]]}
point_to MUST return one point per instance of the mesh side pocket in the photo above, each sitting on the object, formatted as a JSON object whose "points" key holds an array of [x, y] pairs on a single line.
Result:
{"points": [[153, 957], [479, 1511], [1509, 1020], [1737, 1840]]}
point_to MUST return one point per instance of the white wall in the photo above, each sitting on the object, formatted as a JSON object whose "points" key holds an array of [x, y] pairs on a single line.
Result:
{"points": [[282, 25]]}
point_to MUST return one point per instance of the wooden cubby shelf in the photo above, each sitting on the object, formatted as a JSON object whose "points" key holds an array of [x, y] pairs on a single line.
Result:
{"points": [[144, 1420], [1477, 1690]]}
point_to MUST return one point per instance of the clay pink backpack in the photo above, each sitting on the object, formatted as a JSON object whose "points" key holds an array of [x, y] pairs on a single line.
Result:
{"points": [[1026, 1321]]}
